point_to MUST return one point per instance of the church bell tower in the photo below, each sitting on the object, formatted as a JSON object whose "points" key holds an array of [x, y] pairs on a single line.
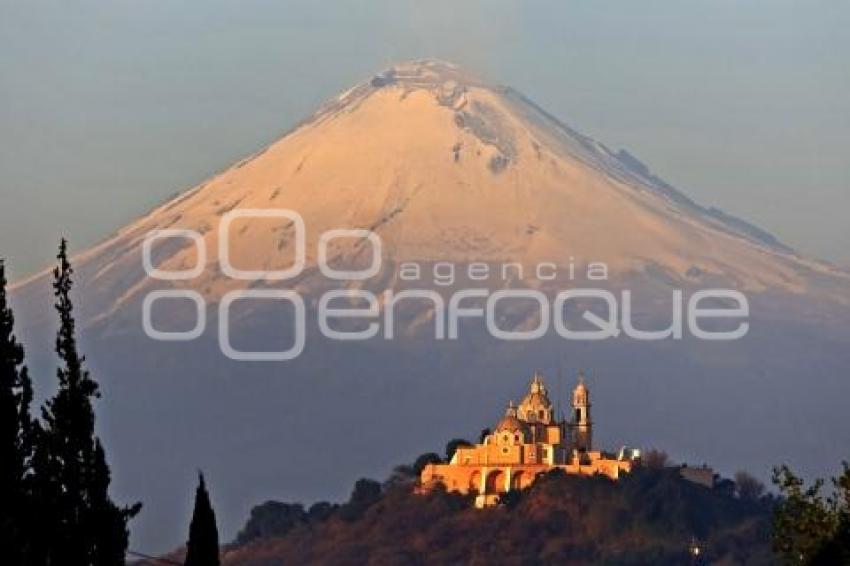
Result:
{"points": [[581, 425]]}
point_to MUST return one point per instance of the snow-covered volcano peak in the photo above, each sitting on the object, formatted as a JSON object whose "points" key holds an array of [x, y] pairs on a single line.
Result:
{"points": [[430, 73], [446, 168]]}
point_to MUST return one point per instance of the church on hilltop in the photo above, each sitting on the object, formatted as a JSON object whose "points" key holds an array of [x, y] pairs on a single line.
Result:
{"points": [[528, 441]]}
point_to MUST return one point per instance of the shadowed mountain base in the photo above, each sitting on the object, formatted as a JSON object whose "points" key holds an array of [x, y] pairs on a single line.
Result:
{"points": [[650, 517]]}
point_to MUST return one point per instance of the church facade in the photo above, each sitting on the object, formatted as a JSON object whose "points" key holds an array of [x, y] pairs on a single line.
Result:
{"points": [[528, 441]]}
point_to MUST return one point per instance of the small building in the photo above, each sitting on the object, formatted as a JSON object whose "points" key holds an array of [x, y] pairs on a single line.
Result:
{"points": [[701, 475], [527, 442]]}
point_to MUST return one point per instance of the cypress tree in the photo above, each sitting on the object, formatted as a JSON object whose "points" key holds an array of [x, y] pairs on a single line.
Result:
{"points": [[81, 523], [16, 437], [202, 548]]}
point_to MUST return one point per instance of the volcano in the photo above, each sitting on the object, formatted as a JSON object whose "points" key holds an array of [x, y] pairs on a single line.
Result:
{"points": [[444, 168]]}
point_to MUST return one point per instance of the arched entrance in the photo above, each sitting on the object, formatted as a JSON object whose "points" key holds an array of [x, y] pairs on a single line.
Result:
{"points": [[517, 480], [496, 481]]}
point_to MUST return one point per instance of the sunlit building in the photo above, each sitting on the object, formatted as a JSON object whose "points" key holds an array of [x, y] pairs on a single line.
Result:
{"points": [[528, 441]]}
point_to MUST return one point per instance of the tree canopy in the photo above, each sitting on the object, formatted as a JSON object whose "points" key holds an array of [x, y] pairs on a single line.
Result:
{"points": [[808, 526]]}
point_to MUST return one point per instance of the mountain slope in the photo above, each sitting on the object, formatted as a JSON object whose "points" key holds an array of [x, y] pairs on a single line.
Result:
{"points": [[446, 168]]}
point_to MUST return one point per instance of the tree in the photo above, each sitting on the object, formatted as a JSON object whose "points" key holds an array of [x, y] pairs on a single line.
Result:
{"points": [[809, 528], [366, 493], [202, 548], [748, 487], [485, 432], [79, 523], [511, 498], [425, 459], [836, 550], [453, 445], [402, 475], [16, 436], [271, 519], [321, 511], [655, 459]]}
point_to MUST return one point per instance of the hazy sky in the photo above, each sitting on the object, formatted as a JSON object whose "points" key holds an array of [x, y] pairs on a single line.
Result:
{"points": [[108, 107]]}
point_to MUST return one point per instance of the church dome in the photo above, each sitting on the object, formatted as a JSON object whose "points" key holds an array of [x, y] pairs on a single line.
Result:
{"points": [[536, 406], [536, 400], [510, 423]]}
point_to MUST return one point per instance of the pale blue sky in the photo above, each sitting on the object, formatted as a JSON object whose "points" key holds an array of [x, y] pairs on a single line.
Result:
{"points": [[107, 107]]}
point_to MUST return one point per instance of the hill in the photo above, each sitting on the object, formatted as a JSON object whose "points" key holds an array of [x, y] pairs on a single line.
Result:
{"points": [[649, 517]]}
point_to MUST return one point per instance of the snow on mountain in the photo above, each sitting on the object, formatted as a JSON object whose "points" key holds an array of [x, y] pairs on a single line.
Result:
{"points": [[444, 167]]}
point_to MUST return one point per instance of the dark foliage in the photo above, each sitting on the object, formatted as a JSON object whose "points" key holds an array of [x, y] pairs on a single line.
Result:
{"points": [[16, 437], [321, 511], [649, 517], [404, 474], [453, 445], [366, 493], [808, 527], [424, 460], [272, 519], [748, 487], [78, 522], [276, 519], [511, 498], [655, 459], [202, 548]]}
